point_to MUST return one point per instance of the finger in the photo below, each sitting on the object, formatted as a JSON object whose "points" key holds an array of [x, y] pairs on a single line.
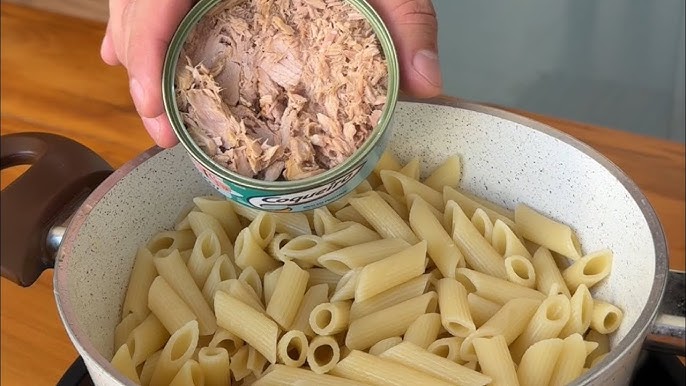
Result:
{"points": [[160, 131], [116, 26], [414, 28], [107, 51]]}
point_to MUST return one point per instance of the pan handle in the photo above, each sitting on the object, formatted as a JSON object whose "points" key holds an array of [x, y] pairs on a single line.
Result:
{"points": [[35, 205], [667, 333]]}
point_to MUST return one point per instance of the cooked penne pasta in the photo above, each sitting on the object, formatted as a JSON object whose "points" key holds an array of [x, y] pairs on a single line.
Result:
{"points": [[424, 330], [295, 224], [124, 364], [146, 339], [357, 256], [398, 205], [226, 340], [178, 349], [470, 203], [288, 294], [411, 198], [323, 221], [269, 283], [547, 273], [142, 275], [547, 232], [589, 269], [605, 317], [249, 254], [399, 185], [387, 161], [345, 289], [290, 376], [478, 253], [393, 321], [548, 320], [481, 309], [390, 297], [201, 222], [538, 362], [494, 289], [348, 233], [124, 328], [323, 276], [446, 174], [570, 363], [385, 221], [190, 375], [222, 210], [250, 277], [292, 349], [223, 269], [384, 345], [205, 253], [242, 292], [305, 250], [411, 169], [391, 271], [256, 362], [314, 296], [448, 348], [452, 301], [171, 240], [440, 246], [239, 364], [413, 356], [181, 221], [506, 242], [149, 366], [520, 270], [483, 224], [495, 360], [580, 312], [323, 354], [278, 242], [370, 369], [351, 214], [172, 269], [263, 228], [169, 308], [603, 346], [330, 318]]}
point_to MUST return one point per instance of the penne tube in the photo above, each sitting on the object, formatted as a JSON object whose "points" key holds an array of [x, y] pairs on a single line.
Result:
{"points": [[358, 256], [605, 317], [249, 254], [351, 214], [348, 233], [483, 224], [547, 232], [148, 367], [446, 174], [570, 363], [256, 363], [391, 271], [181, 221], [290, 376], [452, 301], [424, 330], [172, 269], [478, 253], [214, 363], [314, 296], [323, 276], [146, 339], [580, 312], [399, 185], [470, 203], [323, 221], [385, 221], [222, 210], [602, 348], [239, 364], [548, 320], [410, 200], [176, 352], [448, 348], [387, 161], [288, 294], [291, 223], [250, 277], [398, 206], [201, 222], [278, 242], [323, 354], [171, 240], [223, 269], [369, 369], [494, 289], [242, 292], [248, 324], [305, 250], [411, 169], [142, 275], [226, 340], [393, 321], [506, 242], [440, 246], [413, 356], [481, 309], [547, 273], [205, 253], [169, 308], [390, 297], [269, 283], [190, 375], [263, 228], [345, 289], [538, 362], [124, 364], [384, 345], [588, 270], [495, 360], [292, 349], [520, 270], [330, 318], [374, 181], [124, 328]]}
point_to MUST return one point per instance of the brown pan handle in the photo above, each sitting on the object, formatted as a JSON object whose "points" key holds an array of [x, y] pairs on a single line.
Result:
{"points": [[62, 174]]}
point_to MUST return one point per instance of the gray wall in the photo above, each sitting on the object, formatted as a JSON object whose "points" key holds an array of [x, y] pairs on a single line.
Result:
{"points": [[617, 63]]}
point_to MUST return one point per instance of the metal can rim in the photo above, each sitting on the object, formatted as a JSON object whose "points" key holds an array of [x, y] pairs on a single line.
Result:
{"points": [[169, 98]]}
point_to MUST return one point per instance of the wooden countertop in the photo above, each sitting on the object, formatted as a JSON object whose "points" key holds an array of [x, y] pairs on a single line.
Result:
{"points": [[53, 81]]}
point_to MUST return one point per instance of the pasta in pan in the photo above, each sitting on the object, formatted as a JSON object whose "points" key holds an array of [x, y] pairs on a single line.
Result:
{"points": [[404, 281]]}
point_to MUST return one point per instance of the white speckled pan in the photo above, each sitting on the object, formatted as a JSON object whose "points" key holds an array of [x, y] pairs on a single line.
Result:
{"points": [[506, 158]]}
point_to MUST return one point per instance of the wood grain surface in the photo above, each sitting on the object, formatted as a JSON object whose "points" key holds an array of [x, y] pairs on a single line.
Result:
{"points": [[53, 81]]}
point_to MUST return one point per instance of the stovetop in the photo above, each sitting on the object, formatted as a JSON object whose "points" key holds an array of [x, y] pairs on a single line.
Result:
{"points": [[652, 369]]}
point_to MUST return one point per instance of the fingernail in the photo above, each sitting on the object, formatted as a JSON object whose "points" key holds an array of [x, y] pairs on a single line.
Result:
{"points": [[153, 128], [137, 93], [426, 63]]}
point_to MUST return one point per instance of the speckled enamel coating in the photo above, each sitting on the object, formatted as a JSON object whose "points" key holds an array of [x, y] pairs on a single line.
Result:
{"points": [[503, 161]]}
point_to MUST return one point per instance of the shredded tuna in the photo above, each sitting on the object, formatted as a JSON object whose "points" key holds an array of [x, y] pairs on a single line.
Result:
{"points": [[281, 89]]}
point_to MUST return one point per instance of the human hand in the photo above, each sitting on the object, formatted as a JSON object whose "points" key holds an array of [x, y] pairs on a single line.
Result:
{"points": [[139, 31]]}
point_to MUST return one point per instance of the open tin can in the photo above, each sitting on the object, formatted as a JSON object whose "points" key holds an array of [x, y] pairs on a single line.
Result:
{"points": [[285, 196]]}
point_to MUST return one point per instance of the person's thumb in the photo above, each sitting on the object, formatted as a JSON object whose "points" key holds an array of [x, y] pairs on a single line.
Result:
{"points": [[414, 28]]}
